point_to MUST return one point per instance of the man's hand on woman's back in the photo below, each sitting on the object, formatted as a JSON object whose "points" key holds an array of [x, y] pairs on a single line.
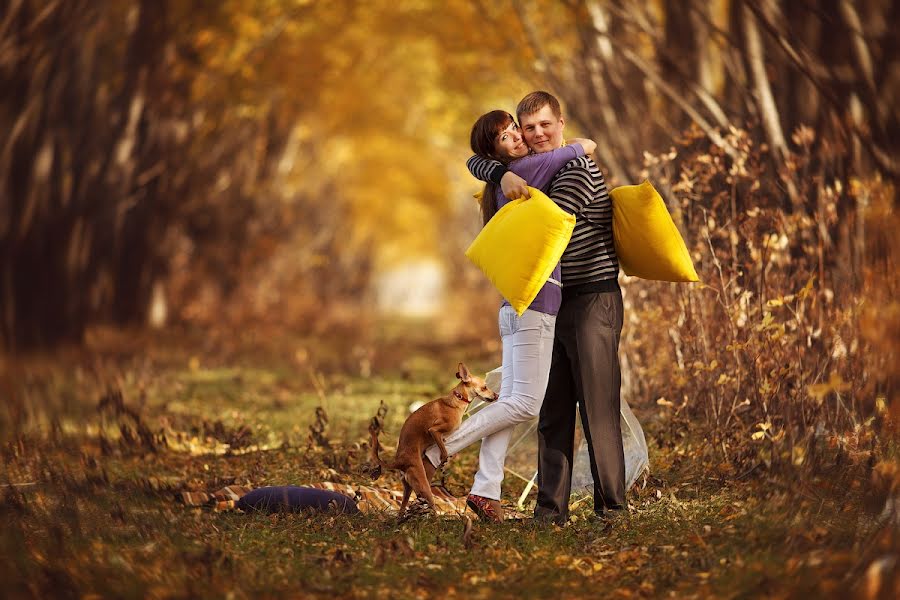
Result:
{"points": [[589, 145]]}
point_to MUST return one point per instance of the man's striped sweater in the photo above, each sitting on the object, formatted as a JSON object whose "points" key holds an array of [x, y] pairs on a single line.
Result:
{"points": [[589, 261]]}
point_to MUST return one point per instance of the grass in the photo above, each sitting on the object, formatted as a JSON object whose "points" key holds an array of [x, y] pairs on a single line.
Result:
{"points": [[101, 520]]}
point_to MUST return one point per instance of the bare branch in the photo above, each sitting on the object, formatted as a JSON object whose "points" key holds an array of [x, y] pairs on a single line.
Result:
{"points": [[765, 100], [701, 93], [607, 156], [810, 67], [672, 95], [801, 57], [861, 53]]}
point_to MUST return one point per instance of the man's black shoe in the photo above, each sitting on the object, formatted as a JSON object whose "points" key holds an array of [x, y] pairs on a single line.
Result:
{"points": [[548, 518]]}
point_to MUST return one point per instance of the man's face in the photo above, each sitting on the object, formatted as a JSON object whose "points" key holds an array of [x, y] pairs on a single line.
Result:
{"points": [[543, 131]]}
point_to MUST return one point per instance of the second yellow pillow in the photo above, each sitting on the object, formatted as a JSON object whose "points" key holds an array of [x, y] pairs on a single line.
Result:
{"points": [[647, 242]]}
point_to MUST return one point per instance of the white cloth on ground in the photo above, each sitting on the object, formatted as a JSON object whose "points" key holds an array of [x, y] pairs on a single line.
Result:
{"points": [[637, 457]]}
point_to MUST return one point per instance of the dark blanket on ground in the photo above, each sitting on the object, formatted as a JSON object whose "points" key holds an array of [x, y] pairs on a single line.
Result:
{"points": [[292, 498]]}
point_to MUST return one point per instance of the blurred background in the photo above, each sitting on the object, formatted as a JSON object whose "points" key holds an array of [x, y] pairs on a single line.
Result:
{"points": [[232, 231], [169, 162]]}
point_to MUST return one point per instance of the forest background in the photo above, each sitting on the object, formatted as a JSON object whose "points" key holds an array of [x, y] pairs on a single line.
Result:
{"points": [[218, 180]]}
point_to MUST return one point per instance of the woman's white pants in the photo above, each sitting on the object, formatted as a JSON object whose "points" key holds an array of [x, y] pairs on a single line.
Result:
{"points": [[527, 350]]}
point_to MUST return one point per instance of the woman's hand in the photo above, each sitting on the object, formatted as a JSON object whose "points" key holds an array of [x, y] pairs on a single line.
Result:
{"points": [[589, 145], [513, 186]]}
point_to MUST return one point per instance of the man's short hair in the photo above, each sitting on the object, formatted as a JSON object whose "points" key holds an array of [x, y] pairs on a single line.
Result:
{"points": [[535, 101]]}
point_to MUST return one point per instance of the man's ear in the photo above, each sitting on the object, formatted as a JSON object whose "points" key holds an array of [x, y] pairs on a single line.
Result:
{"points": [[462, 372], [562, 122]]}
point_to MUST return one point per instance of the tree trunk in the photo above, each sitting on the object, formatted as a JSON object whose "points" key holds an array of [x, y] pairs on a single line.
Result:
{"points": [[765, 103]]}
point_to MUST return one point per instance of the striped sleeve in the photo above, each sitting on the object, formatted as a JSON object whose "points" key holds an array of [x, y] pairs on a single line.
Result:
{"points": [[579, 189], [486, 169], [578, 184]]}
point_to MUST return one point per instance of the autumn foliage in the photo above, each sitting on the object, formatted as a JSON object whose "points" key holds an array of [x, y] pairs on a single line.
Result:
{"points": [[199, 200], [774, 352]]}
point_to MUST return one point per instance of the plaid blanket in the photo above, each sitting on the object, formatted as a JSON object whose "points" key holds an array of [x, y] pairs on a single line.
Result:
{"points": [[368, 498], [224, 499]]}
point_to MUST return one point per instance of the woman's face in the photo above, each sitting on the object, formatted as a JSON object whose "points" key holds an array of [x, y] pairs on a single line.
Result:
{"points": [[509, 142]]}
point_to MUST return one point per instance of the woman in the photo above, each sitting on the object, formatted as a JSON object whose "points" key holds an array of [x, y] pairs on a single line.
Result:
{"points": [[527, 339]]}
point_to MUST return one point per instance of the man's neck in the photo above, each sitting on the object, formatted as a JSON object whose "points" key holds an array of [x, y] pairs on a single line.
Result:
{"points": [[550, 150]]}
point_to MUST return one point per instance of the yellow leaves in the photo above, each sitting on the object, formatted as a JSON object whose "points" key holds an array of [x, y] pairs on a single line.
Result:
{"points": [[584, 565], [807, 289], [763, 428], [798, 455], [685, 184], [780, 301], [773, 330], [804, 136], [699, 366], [801, 295], [731, 347], [481, 579], [835, 383], [767, 322], [766, 430]]}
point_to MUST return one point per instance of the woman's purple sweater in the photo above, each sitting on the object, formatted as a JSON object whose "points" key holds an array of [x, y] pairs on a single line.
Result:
{"points": [[539, 170]]}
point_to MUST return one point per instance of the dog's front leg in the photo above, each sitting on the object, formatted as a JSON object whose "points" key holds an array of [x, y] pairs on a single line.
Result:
{"points": [[438, 438]]}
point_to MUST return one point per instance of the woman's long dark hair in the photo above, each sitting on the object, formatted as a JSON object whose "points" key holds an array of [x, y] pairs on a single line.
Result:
{"points": [[484, 134]]}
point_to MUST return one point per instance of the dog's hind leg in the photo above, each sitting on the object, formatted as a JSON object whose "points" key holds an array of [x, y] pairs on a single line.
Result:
{"points": [[407, 490], [417, 479]]}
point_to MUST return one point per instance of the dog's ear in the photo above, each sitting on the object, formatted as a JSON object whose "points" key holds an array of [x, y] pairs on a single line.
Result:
{"points": [[462, 372]]}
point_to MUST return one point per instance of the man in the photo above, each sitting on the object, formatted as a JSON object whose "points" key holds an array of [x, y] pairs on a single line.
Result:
{"points": [[584, 371]]}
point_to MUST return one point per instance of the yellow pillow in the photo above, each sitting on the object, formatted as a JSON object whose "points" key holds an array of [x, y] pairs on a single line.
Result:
{"points": [[647, 242], [520, 246]]}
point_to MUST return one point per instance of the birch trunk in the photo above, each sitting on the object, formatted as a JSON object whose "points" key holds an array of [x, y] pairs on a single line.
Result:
{"points": [[765, 102]]}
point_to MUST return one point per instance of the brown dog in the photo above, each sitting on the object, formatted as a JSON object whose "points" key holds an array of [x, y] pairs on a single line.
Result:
{"points": [[428, 425]]}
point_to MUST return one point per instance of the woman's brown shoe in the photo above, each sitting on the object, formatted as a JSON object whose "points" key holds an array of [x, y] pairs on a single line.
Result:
{"points": [[486, 509]]}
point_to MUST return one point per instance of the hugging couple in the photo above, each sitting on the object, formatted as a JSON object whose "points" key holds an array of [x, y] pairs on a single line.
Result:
{"points": [[562, 352]]}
